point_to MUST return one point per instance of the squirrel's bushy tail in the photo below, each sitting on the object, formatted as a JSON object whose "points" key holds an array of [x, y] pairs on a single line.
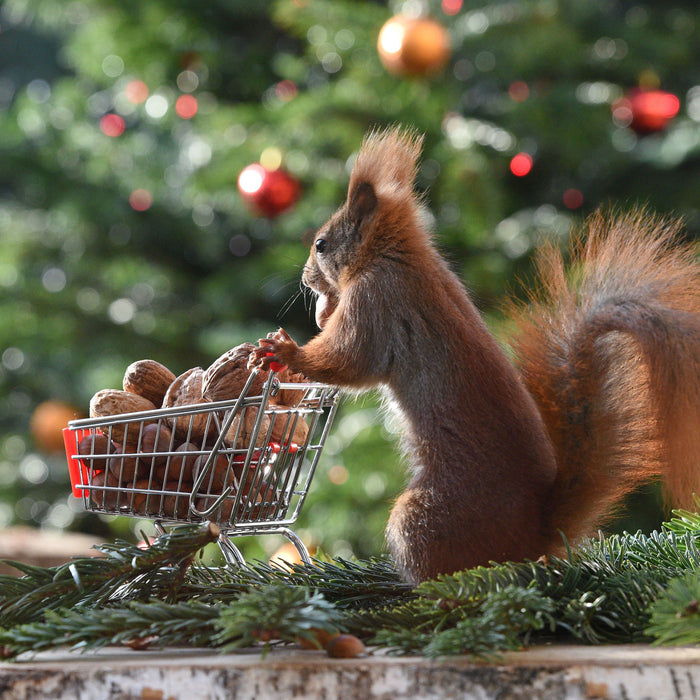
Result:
{"points": [[610, 350]]}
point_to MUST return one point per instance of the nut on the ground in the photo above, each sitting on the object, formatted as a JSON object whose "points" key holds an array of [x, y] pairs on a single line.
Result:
{"points": [[345, 646]]}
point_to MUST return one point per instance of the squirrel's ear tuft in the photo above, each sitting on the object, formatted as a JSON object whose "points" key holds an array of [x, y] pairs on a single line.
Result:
{"points": [[362, 203], [388, 160]]}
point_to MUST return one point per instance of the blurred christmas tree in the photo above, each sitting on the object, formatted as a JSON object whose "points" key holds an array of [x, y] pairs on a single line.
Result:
{"points": [[125, 231]]}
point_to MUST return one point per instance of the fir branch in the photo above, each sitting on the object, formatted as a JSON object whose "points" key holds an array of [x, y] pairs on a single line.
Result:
{"points": [[272, 613], [675, 615], [275, 612], [12, 587], [505, 619], [671, 550], [684, 522], [152, 622], [413, 617], [609, 589], [125, 572], [602, 593], [362, 584]]}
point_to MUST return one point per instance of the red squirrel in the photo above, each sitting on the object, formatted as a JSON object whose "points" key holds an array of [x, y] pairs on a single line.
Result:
{"points": [[509, 459]]}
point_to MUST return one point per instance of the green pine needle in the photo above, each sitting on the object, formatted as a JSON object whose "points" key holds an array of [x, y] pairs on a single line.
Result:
{"points": [[136, 624], [504, 619], [675, 615], [126, 571], [274, 612], [348, 584]]}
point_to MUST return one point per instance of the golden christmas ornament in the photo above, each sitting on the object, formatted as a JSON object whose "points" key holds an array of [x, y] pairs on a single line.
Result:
{"points": [[413, 46], [47, 423]]}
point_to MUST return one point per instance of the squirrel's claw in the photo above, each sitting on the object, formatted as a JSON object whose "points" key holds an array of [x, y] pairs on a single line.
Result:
{"points": [[265, 356], [280, 334]]}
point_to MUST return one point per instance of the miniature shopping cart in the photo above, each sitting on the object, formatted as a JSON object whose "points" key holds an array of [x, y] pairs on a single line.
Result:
{"points": [[245, 464]]}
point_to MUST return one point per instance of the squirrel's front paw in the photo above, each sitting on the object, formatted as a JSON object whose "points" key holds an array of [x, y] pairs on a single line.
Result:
{"points": [[275, 352]]}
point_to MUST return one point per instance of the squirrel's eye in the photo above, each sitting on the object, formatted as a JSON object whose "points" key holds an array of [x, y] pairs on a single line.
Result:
{"points": [[320, 245]]}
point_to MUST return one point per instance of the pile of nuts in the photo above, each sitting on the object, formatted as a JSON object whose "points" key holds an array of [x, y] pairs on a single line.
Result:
{"points": [[149, 465]]}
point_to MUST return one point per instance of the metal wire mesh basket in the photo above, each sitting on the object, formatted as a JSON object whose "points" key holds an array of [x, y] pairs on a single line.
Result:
{"points": [[244, 464]]}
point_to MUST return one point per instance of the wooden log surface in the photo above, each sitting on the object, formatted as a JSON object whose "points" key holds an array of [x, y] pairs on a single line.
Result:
{"points": [[623, 672]]}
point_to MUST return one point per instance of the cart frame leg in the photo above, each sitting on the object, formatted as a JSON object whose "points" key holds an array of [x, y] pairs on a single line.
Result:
{"points": [[234, 557], [231, 553]]}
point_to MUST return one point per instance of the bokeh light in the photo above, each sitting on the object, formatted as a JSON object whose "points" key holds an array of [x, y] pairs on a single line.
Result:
{"points": [[140, 200], [251, 178], [572, 198], [391, 37], [121, 311], [521, 164], [451, 7], [240, 245], [136, 91], [271, 158], [338, 474], [187, 81], [285, 90], [113, 66], [112, 125], [156, 106], [186, 106], [519, 91]]}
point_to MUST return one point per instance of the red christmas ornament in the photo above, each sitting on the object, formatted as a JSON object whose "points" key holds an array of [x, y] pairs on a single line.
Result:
{"points": [[413, 46], [268, 192], [646, 111]]}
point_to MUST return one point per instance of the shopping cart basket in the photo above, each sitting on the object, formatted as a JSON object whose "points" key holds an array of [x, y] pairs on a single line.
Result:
{"points": [[244, 464]]}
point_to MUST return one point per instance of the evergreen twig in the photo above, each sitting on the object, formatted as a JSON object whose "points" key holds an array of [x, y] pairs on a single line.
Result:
{"points": [[136, 623], [126, 571], [675, 615], [275, 612], [363, 584]]}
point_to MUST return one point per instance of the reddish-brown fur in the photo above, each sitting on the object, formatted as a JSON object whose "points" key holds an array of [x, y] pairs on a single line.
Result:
{"points": [[606, 394]]}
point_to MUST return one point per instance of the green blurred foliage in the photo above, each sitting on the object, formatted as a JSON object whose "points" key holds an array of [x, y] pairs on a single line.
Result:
{"points": [[88, 283]]}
